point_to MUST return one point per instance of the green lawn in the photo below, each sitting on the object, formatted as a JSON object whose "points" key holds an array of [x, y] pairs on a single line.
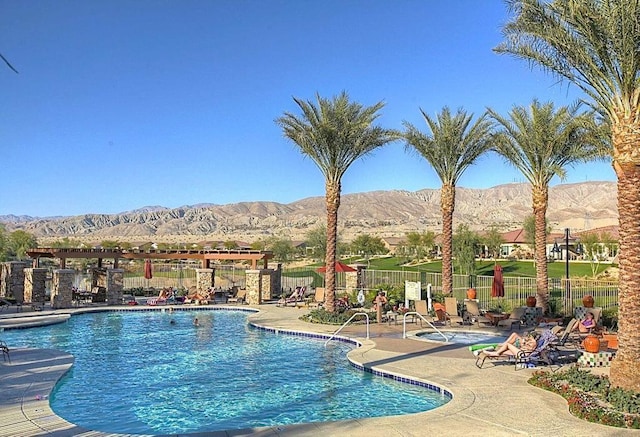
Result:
{"points": [[485, 268]]}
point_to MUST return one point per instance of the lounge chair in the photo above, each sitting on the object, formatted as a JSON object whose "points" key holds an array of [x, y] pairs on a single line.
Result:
{"points": [[515, 318], [5, 351], [240, 297], [318, 299], [544, 353], [451, 305], [294, 298], [421, 309], [473, 313]]}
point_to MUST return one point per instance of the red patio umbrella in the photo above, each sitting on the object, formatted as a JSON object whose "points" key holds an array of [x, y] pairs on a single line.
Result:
{"points": [[497, 287], [148, 269], [339, 268]]}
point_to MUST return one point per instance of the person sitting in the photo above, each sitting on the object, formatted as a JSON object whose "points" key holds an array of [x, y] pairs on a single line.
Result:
{"points": [[514, 344], [588, 324]]}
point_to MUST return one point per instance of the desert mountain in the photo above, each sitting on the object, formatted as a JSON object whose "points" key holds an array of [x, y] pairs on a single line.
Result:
{"points": [[580, 206]]}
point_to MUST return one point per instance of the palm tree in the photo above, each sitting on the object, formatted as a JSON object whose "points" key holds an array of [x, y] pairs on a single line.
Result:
{"points": [[594, 45], [334, 133], [452, 145], [541, 142]]}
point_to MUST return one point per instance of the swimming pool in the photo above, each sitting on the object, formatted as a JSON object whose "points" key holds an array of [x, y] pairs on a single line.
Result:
{"points": [[137, 373], [461, 337]]}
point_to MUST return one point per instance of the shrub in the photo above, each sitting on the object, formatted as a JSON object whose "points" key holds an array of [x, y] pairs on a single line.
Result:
{"points": [[338, 318], [591, 397]]}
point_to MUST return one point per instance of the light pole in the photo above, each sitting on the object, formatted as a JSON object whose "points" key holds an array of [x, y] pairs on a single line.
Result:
{"points": [[566, 247]]}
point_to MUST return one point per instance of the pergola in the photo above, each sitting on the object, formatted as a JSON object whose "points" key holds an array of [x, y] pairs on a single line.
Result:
{"points": [[205, 256]]}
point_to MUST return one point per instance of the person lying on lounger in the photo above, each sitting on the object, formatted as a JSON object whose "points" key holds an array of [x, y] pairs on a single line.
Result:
{"points": [[587, 324], [514, 344]]}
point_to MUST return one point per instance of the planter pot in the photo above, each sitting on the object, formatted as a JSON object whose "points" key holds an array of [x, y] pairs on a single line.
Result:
{"points": [[587, 301], [612, 340], [591, 344], [531, 301], [471, 293]]}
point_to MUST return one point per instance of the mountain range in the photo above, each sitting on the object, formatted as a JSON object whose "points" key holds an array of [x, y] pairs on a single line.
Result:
{"points": [[392, 213]]}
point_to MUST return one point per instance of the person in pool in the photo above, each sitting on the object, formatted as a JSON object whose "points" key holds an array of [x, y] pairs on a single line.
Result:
{"points": [[196, 322], [514, 344]]}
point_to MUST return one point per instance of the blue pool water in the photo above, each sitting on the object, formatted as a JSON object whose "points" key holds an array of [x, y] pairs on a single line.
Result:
{"points": [[461, 337], [137, 373]]}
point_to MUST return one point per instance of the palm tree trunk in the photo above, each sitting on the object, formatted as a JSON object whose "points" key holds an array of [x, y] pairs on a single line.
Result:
{"points": [[624, 368], [540, 195], [333, 203], [447, 204]]}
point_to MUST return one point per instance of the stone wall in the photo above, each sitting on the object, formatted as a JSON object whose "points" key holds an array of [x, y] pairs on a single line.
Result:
{"points": [[61, 288], [12, 278], [253, 283], [114, 286], [34, 285], [205, 279]]}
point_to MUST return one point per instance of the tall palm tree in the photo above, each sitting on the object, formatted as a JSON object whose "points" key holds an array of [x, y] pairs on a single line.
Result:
{"points": [[334, 133], [451, 146], [594, 45], [541, 142]]}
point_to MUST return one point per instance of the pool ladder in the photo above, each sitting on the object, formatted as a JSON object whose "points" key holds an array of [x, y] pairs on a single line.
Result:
{"points": [[414, 313], [345, 324]]}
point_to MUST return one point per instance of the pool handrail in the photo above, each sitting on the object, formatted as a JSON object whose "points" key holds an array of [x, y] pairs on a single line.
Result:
{"points": [[414, 313], [345, 324]]}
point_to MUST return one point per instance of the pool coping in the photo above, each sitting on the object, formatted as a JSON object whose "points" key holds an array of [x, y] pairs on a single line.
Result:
{"points": [[479, 396]]}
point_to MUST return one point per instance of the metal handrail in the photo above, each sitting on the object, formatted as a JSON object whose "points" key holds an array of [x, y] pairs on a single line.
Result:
{"points": [[345, 324], [412, 313]]}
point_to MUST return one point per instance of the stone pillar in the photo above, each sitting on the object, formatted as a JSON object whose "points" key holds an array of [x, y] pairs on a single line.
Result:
{"points": [[34, 285], [351, 281], [61, 288], [205, 279], [13, 280], [253, 284], [114, 286], [266, 284]]}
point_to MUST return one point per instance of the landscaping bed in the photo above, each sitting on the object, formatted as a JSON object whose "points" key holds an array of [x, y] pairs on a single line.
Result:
{"points": [[591, 397]]}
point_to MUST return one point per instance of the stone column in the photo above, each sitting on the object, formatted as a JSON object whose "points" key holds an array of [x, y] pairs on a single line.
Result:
{"points": [[61, 288], [34, 285], [253, 280], [204, 280], [114, 286], [266, 280], [13, 280], [351, 281]]}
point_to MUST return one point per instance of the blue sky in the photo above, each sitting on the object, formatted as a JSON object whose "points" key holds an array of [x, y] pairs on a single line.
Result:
{"points": [[123, 104]]}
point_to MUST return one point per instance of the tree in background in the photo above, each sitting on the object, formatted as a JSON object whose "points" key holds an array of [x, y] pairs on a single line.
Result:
{"points": [[365, 245], [316, 239], [334, 133], [594, 45], [230, 244], [592, 247], [541, 141], [493, 240], [419, 244], [19, 242], [451, 146], [282, 248], [529, 227], [3, 243], [465, 248], [67, 242]]}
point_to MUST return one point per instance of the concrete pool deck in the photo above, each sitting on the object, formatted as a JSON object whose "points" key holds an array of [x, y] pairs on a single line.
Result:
{"points": [[495, 400]]}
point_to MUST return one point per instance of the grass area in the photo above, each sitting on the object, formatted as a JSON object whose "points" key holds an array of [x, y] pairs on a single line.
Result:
{"points": [[485, 268]]}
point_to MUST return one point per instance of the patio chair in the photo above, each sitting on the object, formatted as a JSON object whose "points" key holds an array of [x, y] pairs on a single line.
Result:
{"points": [[421, 309], [294, 298], [451, 305], [240, 297], [544, 353], [318, 299], [515, 318], [472, 313]]}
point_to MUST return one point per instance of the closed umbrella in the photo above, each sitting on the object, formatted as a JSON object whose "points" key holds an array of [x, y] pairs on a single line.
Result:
{"points": [[148, 269], [497, 287]]}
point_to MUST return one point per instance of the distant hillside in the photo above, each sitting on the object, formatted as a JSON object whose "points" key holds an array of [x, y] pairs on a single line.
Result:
{"points": [[384, 213]]}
